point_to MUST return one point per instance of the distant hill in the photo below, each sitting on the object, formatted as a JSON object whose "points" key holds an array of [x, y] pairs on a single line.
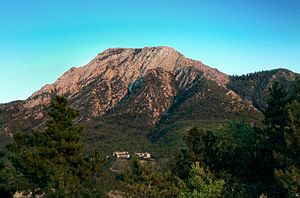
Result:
{"points": [[143, 99], [254, 87]]}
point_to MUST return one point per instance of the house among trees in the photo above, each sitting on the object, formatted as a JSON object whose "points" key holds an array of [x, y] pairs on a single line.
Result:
{"points": [[126, 155], [145, 155], [122, 154]]}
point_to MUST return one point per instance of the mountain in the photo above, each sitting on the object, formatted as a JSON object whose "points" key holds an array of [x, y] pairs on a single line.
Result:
{"points": [[137, 99], [255, 86]]}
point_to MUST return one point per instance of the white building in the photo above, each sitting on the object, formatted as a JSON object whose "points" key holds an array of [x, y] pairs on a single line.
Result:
{"points": [[121, 154], [145, 155]]}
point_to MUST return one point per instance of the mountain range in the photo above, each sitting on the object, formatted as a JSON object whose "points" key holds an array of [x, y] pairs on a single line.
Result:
{"points": [[145, 99]]}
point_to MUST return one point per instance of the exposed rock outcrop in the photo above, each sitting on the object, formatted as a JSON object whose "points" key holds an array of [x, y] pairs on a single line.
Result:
{"points": [[98, 86], [137, 88]]}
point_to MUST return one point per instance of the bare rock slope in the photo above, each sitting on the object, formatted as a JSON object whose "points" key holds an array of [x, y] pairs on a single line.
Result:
{"points": [[135, 88]]}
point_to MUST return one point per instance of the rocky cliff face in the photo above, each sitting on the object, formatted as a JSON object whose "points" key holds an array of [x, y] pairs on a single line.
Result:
{"points": [[98, 86], [114, 71], [135, 88]]}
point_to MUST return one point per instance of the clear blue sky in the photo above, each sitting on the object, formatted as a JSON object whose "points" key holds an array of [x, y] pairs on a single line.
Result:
{"points": [[41, 39]]}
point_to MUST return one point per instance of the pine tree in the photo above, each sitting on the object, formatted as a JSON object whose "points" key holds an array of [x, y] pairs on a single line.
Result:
{"points": [[146, 180], [194, 140], [201, 183], [52, 162], [283, 131], [288, 173], [276, 113]]}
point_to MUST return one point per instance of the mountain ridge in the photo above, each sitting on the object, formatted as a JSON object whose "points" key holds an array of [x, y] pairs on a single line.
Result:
{"points": [[133, 92]]}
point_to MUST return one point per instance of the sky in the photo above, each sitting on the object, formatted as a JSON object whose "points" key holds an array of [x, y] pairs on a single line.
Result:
{"points": [[41, 39]]}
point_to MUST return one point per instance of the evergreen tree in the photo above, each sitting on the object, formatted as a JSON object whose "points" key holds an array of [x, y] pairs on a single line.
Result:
{"points": [[146, 180], [276, 112], [52, 162], [283, 138], [201, 183], [5, 189], [287, 169], [233, 153], [194, 140]]}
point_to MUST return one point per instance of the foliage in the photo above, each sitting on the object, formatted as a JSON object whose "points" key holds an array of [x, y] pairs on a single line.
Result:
{"points": [[234, 160], [146, 180], [254, 86], [194, 152], [286, 150], [52, 162], [239, 155], [276, 111], [201, 183], [289, 178]]}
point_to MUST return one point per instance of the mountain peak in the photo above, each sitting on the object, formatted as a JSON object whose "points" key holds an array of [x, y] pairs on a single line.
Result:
{"points": [[150, 53], [125, 66], [119, 50], [132, 92]]}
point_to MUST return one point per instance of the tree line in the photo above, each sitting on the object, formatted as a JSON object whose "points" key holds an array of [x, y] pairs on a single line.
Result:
{"points": [[236, 160]]}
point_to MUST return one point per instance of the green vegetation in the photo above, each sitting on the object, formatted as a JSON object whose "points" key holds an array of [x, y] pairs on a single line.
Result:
{"points": [[52, 163], [233, 159], [201, 183], [254, 86], [286, 148], [236, 160], [146, 180]]}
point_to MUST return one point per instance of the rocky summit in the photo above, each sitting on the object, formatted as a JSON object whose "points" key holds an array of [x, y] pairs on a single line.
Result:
{"points": [[132, 96]]}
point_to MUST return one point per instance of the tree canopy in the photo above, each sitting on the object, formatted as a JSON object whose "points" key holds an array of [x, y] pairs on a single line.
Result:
{"points": [[52, 162]]}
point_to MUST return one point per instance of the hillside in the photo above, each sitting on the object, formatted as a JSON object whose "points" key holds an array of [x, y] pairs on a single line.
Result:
{"points": [[255, 86], [141, 99]]}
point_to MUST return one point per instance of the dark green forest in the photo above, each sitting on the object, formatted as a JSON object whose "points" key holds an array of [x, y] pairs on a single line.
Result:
{"points": [[238, 159]]}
